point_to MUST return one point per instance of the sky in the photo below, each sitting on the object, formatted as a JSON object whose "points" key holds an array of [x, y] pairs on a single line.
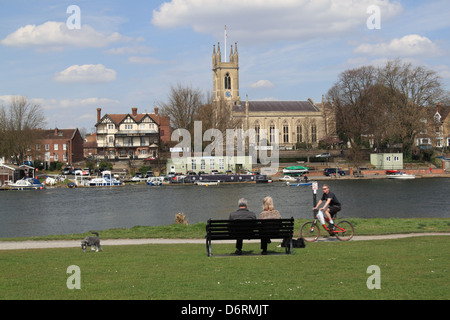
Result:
{"points": [[72, 57]]}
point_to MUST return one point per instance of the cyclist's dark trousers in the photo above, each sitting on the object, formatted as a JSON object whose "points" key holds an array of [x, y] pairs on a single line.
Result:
{"points": [[334, 210]]}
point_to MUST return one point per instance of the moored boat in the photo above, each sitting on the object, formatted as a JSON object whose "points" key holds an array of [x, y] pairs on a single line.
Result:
{"points": [[295, 170], [26, 184], [107, 180], [401, 175], [207, 183], [299, 184], [288, 178], [155, 181], [396, 174]]}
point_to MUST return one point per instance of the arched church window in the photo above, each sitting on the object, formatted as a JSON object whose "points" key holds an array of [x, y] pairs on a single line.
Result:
{"points": [[257, 132], [227, 82], [299, 132], [313, 133], [285, 132], [272, 132]]}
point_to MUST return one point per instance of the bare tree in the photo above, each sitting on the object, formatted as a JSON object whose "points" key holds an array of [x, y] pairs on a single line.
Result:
{"points": [[18, 126], [182, 107], [386, 105], [409, 92], [352, 98]]}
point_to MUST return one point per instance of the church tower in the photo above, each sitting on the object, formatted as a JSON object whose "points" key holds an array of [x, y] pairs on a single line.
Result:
{"points": [[226, 77]]}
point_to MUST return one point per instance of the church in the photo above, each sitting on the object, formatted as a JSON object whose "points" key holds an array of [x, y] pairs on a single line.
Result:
{"points": [[295, 122]]}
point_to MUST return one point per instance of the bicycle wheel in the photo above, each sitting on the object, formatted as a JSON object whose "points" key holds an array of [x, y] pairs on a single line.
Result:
{"points": [[309, 231], [344, 230]]}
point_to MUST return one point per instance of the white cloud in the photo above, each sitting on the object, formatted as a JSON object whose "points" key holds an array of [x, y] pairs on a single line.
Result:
{"points": [[89, 73], [75, 104], [56, 35], [262, 84], [409, 45], [265, 20]]}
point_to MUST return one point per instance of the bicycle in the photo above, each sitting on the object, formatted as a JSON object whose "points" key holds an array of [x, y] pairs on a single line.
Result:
{"points": [[310, 231]]}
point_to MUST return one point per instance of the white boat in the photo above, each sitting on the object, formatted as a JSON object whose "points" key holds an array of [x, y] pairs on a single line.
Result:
{"points": [[106, 180], [155, 181], [26, 184], [288, 178], [401, 175]]}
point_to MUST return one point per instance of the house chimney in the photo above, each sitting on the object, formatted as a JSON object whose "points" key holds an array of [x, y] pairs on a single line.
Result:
{"points": [[99, 114], [134, 110], [156, 110], [56, 131]]}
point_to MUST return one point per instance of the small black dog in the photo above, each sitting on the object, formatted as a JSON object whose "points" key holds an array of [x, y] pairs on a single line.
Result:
{"points": [[92, 242]]}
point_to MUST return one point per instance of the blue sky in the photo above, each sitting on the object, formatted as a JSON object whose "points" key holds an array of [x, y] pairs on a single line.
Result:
{"points": [[128, 53]]}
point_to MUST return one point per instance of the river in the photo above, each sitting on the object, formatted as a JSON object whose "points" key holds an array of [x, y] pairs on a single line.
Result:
{"points": [[64, 211]]}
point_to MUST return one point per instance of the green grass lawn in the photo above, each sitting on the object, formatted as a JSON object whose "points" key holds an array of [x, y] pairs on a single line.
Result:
{"points": [[412, 268], [362, 227]]}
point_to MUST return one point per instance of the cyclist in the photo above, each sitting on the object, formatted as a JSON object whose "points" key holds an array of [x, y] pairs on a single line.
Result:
{"points": [[331, 206]]}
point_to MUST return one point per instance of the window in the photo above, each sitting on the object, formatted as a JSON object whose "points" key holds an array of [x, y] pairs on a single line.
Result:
{"points": [[227, 82], [194, 164], [38, 147], [143, 152], [221, 164], [111, 139], [128, 127], [299, 133], [285, 133], [142, 126], [47, 147], [313, 133], [55, 147], [202, 164], [257, 133], [128, 142], [111, 127], [55, 157], [64, 146], [212, 164], [272, 134]]}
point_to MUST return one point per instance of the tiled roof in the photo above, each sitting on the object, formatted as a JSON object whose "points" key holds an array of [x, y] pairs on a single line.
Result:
{"points": [[64, 134], [277, 106], [118, 118]]}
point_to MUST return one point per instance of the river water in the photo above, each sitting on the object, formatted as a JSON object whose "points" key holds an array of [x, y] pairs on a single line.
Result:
{"points": [[63, 211]]}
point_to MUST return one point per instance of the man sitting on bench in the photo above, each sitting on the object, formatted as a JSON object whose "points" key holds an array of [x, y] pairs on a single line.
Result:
{"points": [[241, 214]]}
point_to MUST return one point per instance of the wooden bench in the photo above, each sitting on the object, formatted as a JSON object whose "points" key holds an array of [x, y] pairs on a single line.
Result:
{"points": [[250, 229]]}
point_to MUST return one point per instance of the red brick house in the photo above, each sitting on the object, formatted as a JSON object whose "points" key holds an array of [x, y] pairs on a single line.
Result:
{"points": [[63, 145]]}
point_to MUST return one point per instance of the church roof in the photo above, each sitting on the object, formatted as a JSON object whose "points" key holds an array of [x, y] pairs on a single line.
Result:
{"points": [[277, 106]]}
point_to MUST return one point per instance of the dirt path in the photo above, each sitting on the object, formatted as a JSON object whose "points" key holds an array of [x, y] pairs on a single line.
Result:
{"points": [[17, 245]]}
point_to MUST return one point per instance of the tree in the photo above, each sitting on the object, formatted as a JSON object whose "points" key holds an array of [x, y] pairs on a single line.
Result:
{"points": [[182, 107], [18, 126], [387, 105], [409, 92], [353, 99]]}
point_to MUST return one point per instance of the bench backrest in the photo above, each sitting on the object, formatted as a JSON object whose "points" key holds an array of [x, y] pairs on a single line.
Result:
{"points": [[249, 229]]}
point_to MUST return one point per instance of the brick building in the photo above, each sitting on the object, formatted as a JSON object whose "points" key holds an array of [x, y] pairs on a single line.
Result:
{"points": [[58, 145]]}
